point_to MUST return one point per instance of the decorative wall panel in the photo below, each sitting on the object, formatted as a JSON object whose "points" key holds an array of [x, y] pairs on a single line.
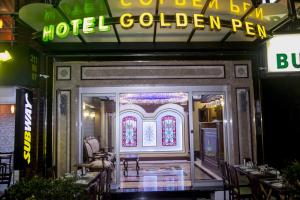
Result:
{"points": [[63, 113], [149, 134], [129, 131], [169, 131], [150, 72]]}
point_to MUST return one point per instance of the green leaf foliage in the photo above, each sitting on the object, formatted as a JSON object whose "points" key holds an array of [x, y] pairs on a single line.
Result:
{"points": [[39, 188]]}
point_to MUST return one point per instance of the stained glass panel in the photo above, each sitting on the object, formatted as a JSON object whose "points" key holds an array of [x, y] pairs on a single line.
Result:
{"points": [[129, 131], [169, 131]]}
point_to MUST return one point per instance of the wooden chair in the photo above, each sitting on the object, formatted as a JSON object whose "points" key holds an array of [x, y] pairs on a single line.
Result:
{"points": [[225, 178], [257, 194], [238, 191]]}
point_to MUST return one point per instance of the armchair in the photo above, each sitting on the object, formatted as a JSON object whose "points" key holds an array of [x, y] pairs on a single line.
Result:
{"points": [[94, 152]]}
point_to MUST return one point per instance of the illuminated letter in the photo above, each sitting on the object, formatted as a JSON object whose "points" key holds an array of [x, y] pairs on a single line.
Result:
{"points": [[180, 2], [199, 21], [236, 24], [28, 104], [234, 8], [102, 27], [75, 26], [282, 61], [163, 22], [146, 3], [48, 33], [294, 60], [146, 23], [62, 30], [215, 23], [181, 20], [214, 3], [259, 13], [27, 146], [261, 31], [249, 28], [89, 25], [246, 6], [27, 136], [27, 156], [126, 20], [197, 3], [126, 4]]}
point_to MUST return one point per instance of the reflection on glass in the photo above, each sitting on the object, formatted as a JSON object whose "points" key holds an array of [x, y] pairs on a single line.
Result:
{"points": [[208, 133], [244, 123], [98, 122]]}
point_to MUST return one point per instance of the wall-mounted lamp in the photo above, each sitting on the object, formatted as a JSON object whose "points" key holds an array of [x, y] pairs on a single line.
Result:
{"points": [[12, 109], [1, 23], [5, 56]]}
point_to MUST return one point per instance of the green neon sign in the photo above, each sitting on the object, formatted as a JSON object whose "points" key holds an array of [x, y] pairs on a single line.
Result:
{"points": [[63, 29]]}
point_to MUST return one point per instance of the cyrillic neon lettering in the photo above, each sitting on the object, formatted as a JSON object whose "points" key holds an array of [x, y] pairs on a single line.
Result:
{"points": [[126, 4], [234, 8], [197, 3]]}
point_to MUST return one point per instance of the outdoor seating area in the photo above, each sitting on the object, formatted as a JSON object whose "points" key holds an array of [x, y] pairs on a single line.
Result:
{"points": [[263, 182]]}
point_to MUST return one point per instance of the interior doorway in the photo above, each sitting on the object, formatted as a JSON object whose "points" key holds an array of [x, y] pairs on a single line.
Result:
{"points": [[208, 126], [160, 125]]}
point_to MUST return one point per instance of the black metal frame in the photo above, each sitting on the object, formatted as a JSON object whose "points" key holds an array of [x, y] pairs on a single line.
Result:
{"points": [[113, 21]]}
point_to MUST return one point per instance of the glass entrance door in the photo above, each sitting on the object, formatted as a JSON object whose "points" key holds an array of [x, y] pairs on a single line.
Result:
{"points": [[98, 122], [207, 127], [158, 122]]}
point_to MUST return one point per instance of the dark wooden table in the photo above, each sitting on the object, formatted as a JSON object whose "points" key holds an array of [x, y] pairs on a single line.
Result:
{"points": [[268, 181], [130, 157]]}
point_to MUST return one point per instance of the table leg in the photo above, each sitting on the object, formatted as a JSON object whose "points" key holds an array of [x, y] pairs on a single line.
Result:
{"points": [[137, 166], [125, 164]]}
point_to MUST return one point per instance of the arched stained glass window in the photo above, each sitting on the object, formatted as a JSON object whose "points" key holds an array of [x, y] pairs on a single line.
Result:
{"points": [[129, 131], [169, 131]]}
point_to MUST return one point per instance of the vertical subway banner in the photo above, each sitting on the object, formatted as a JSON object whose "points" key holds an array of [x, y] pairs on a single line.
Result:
{"points": [[24, 129]]}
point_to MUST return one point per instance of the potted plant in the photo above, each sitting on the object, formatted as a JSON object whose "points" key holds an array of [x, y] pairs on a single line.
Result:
{"points": [[39, 188], [291, 175]]}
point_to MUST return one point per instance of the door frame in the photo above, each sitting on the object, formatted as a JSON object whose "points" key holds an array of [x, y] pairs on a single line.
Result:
{"points": [[116, 91]]}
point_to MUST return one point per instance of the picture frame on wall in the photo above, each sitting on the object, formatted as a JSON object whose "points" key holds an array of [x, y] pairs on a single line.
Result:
{"points": [[63, 73], [149, 134], [241, 71]]}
